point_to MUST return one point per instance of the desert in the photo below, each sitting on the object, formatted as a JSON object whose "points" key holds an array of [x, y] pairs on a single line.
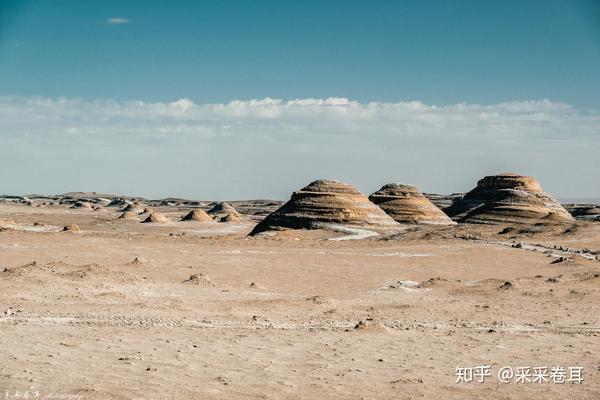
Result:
{"points": [[176, 303], [299, 200]]}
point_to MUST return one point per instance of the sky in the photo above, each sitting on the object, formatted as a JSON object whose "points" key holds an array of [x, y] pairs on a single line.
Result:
{"points": [[221, 99]]}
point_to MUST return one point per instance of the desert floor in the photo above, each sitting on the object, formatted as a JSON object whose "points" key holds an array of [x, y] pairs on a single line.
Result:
{"points": [[107, 313]]}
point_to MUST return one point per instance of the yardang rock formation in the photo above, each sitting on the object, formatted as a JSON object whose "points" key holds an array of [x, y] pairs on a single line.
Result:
{"points": [[507, 198], [157, 218], [585, 212], [222, 209], [230, 217], [405, 204], [129, 215], [197, 215], [326, 202]]}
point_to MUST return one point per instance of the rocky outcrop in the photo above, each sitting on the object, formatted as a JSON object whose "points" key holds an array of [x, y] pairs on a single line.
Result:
{"points": [[405, 204], [131, 208], [584, 212], [197, 215], [325, 202], [507, 198], [119, 202]]}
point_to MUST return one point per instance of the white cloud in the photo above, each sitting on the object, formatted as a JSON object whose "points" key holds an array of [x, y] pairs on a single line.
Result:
{"points": [[285, 143], [117, 21]]}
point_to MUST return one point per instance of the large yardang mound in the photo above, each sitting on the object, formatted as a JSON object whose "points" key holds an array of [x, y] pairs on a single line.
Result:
{"points": [[326, 202], [197, 215], [405, 204], [222, 209], [156, 218], [507, 198]]}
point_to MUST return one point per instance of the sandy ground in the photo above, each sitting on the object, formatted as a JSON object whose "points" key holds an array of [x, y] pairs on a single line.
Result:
{"points": [[109, 313]]}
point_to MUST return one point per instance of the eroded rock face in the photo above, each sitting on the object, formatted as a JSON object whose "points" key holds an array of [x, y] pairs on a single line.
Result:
{"points": [[405, 204], [325, 202], [507, 198]]}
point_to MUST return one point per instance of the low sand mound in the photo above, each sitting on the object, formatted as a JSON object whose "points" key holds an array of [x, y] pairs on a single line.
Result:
{"points": [[405, 204], [82, 205], [222, 209], [129, 215], [325, 202], [156, 218], [71, 228], [507, 198], [230, 217], [35, 271], [146, 210], [197, 215]]}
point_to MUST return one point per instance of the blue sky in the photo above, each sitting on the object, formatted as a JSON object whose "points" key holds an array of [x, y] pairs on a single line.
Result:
{"points": [[438, 52], [101, 56]]}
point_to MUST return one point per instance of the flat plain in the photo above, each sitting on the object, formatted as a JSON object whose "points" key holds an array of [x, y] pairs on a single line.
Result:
{"points": [[182, 310]]}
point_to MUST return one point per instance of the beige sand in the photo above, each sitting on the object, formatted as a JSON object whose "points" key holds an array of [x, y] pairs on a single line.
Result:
{"points": [[110, 312]]}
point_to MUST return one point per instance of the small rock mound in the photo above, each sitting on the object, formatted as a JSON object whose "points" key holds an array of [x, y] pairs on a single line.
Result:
{"points": [[405, 204], [506, 285], [325, 202], [71, 228], [199, 279], [156, 218], [138, 261], [231, 218], [507, 198], [197, 215], [318, 299], [222, 209], [129, 215]]}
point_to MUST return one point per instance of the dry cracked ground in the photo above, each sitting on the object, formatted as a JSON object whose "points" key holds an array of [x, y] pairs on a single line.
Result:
{"points": [[123, 310]]}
